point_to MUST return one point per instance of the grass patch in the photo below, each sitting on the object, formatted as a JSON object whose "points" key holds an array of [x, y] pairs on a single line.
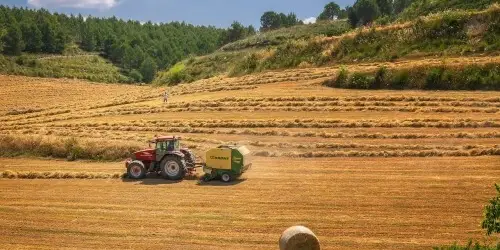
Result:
{"points": [[174, 75], [65, 148], [281, 36], [59, 175], [90, 67], [423, 7], [470, 77]]}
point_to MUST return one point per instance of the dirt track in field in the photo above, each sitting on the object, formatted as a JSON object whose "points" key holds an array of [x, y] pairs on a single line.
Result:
{"points": [[353, 203], [350, 202]]}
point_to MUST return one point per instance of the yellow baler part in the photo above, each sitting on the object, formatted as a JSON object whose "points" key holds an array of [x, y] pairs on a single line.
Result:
{"points": [[219, 158]]}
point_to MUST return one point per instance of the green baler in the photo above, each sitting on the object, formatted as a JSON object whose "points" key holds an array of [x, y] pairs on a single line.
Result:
{"points": [[226, 162]]}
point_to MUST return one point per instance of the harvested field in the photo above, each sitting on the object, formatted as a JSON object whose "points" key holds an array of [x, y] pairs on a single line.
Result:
{"points": [[351, 203], [363, 169]]}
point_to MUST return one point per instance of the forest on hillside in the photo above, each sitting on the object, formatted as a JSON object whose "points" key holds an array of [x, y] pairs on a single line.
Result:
{"points": [[138, 48]]}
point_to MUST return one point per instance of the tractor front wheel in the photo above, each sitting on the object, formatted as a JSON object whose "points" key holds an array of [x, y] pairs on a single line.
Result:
{"points": [[173, 168], [226, 177], [136, 170]]}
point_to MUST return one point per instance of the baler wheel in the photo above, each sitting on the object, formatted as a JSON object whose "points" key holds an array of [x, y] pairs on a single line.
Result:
{"points": [[226, 177]]}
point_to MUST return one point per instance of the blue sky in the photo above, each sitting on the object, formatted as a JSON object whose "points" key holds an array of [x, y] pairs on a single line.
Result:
{"points": [[220, 13]]}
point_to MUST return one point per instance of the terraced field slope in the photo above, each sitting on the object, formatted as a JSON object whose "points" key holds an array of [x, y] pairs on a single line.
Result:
{"points": [[363, 169]]}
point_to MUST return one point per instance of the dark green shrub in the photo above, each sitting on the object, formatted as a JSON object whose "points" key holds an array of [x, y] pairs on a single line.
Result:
{"points": [[342, 77], [491, 220], [433, 80], [22, 60], [381, 78], [400, 80], [135, 75], [360, 81], [471, 78], [492, 80], [248, 65]]}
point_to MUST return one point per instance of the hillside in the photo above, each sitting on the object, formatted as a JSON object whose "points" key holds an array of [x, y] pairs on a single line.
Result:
{"points": [[452, 33], [86, 66], [281, 36], [425, 7], [113, 50]]}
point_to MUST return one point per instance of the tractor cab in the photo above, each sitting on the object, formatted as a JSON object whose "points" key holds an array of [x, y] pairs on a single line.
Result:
{"points": [[167, 143]]}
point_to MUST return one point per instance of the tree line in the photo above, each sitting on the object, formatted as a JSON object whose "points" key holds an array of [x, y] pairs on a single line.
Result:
{"points": [[364, 12], [361, 13], [271, 20], [138, 48]]}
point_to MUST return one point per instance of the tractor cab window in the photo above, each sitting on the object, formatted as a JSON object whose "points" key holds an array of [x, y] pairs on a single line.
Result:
{"points": [[168, 145], [161, 145]]}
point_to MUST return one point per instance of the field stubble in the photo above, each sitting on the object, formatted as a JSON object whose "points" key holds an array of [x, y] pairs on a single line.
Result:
{"points": [[350, 203], [418, 198]]}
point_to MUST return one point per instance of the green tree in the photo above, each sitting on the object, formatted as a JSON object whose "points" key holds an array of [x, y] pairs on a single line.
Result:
{"points": [[148, 70], [400, 5], [235, 32], [330, 12], [13, 40], [289, 20], [108, 45], [352, 16], [270, 20], [132, 57], [89, 42], [385, 7], [343, 14], [251, 30], [2, 34], [366, 11], [32, 37], [60, 41], [491, 220], [49, 37]]}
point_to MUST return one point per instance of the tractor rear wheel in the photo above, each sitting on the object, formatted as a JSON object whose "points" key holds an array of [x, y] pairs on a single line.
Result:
{"points": [[173, 168], [136, 170], [226, 177]]}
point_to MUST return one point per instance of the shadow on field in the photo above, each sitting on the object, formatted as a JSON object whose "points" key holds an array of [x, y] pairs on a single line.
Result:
{"points": [[155, 179], [151, 179], [220, 183]]}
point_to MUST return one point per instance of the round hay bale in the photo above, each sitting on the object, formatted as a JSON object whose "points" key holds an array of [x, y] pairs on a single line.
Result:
{"points": [[299, 238]]}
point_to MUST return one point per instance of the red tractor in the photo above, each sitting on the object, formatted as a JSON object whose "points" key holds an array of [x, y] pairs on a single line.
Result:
{"points": [[166, 158]]}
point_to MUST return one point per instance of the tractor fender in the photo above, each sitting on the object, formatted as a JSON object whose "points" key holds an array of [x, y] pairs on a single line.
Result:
{"points": [[130, 161], [176, 153]]}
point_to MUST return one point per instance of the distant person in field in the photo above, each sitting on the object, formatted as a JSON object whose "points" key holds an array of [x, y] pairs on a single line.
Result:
{"points": [[165, 97]]}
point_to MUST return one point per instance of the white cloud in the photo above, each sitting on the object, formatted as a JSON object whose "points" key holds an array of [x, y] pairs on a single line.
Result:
{"points": [[310, 20], [81, 4]]}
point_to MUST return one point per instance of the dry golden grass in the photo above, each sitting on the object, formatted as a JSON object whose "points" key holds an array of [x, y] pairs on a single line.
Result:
{"points": [[8, 174], [418, 198], [40, 94], [351, 203]]}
